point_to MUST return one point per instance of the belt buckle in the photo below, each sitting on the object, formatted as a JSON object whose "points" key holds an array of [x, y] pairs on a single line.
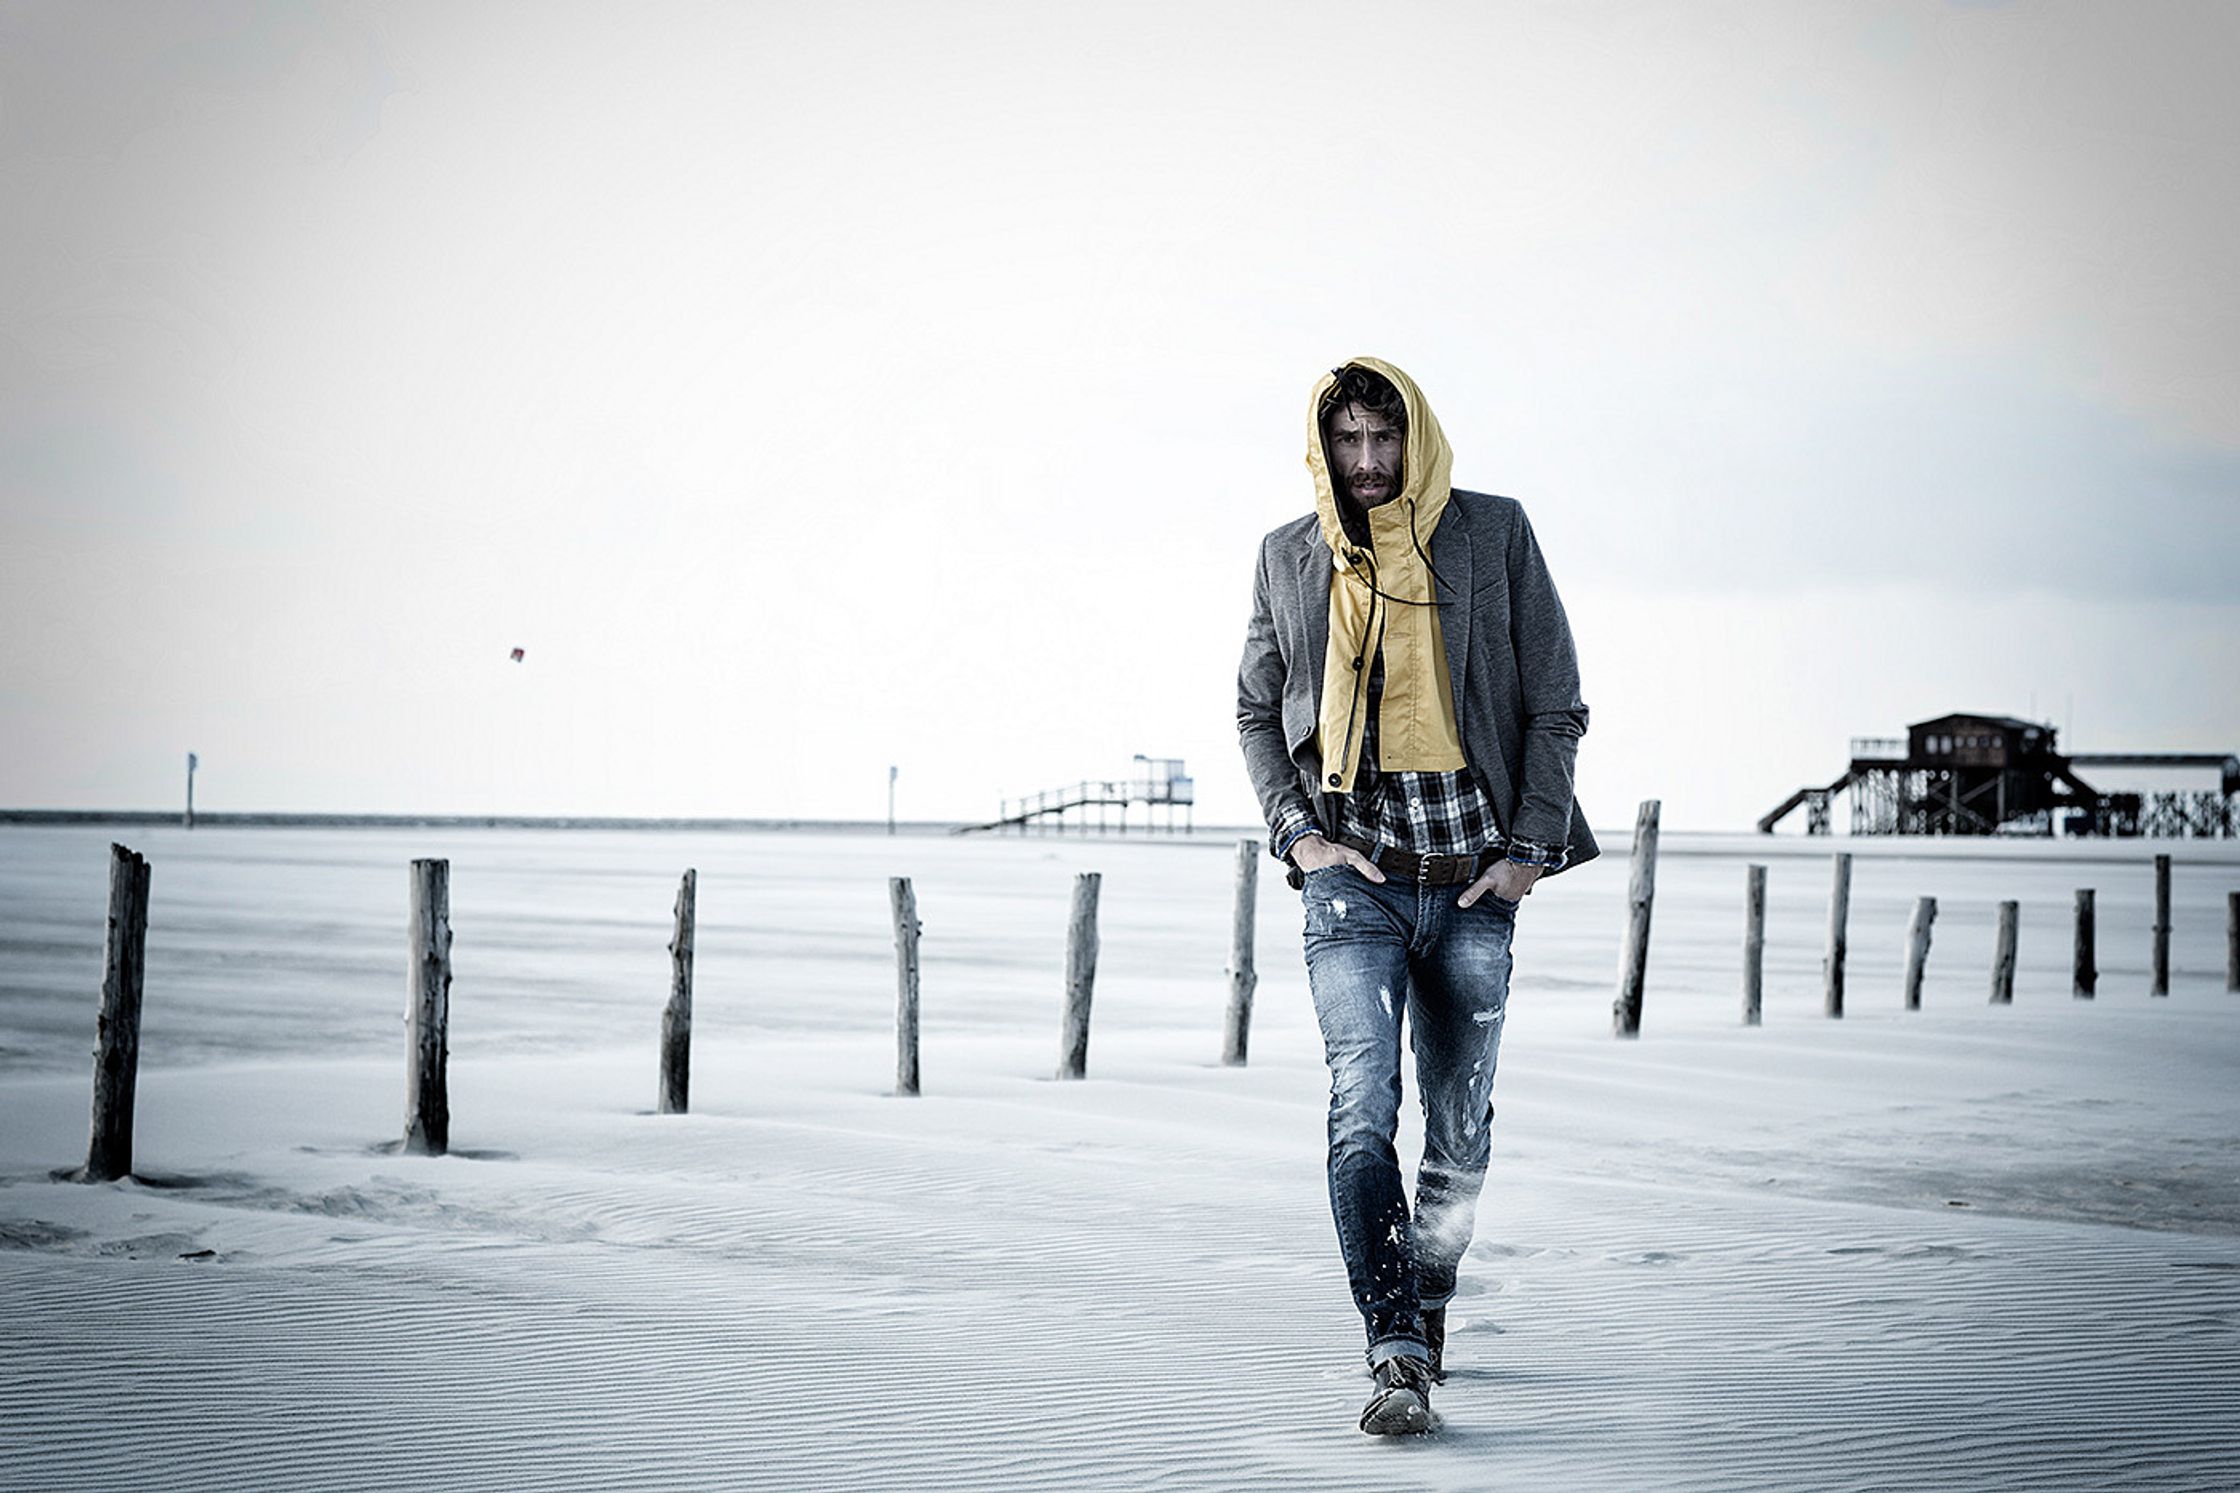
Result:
{"points": [[1424, 866]]}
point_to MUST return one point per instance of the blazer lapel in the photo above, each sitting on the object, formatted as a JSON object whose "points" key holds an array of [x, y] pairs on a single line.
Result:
{"points": [[1314, 603], [1450, 557]]}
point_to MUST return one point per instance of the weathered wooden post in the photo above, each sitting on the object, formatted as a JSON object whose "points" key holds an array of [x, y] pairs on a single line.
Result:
{"points": [[1641, 892], [2086, 976], [1236, 1031], [189, 821], [1839, 920], [1081, 976], [2002, 959], [1754, 946], [427, 1094], [116, 1059], [905, 904], [2161, 925], [2232, 940], [676, 1017], [1917, 948]]}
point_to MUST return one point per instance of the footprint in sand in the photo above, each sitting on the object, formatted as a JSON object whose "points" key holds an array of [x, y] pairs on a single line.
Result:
{"points": [[35, 1233], [1649, 1257], [1908, 1251]]}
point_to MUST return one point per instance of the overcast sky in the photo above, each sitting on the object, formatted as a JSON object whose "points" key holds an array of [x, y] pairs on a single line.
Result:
{"points": [[813, 387]]}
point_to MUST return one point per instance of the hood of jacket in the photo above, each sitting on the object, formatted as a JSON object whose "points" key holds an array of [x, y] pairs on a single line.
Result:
{"points": [[1426, 468], [1382, 599]]}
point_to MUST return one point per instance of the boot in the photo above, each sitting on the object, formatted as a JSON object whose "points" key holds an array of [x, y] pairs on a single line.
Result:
{"points": [[1400, 1405], [1435, 1338]]}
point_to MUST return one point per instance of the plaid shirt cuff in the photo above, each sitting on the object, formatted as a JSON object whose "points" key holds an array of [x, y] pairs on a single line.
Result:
{"points": [[1533, 853], [1291, 824]]}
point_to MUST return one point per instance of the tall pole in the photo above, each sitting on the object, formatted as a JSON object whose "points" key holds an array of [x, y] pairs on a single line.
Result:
{"points": [[116, 1067], [2161, 925], [2232, 941], [1917, 948], [1081, 976], [2085, 976], [1839, 918], [905, 903], [1754, 946], [191, 763], [1236, 1031], [427, 1093], [676, 1017], [2002, 960], [891, 773], [1641, 894]]}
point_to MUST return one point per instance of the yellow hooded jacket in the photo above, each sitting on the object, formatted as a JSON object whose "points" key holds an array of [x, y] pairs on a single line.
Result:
{"points": [[1381, 596]]}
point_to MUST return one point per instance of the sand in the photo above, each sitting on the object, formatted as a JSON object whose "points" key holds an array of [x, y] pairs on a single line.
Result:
{"points": [[1960, 1247]]}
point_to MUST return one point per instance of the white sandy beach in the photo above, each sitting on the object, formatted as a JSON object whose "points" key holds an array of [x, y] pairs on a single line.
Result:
{"points": [[1962, 1247]]}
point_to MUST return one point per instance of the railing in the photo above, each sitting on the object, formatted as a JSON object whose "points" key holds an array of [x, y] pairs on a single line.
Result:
{"points": [[1098, 792], [1878, 749], [1101, 791], [1050, 800]]}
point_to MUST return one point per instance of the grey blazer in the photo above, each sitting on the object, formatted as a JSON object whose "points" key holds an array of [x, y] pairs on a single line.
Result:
{"points": [[1509, 653]]}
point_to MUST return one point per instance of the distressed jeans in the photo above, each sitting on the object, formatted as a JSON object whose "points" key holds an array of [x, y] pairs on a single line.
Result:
{"points": [[1378, 952]]}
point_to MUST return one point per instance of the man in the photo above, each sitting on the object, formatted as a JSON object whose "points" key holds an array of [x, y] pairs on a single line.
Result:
{"points": [[1409, 709]]}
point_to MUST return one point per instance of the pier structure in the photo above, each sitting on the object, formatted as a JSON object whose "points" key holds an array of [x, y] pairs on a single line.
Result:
{"points": [[1166, 792], [1966, 774]]}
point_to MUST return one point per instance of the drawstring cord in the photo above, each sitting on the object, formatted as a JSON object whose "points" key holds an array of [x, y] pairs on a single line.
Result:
{"points": [[1364, 565], [1437, 578], [1361, 655], [1366, 562]]}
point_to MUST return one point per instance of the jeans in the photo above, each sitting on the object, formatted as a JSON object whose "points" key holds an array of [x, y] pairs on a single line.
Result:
{"points": [[1376, 950]]}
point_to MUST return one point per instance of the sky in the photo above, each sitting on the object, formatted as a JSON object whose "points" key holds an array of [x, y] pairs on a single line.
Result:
{"points": [[813, 388]]}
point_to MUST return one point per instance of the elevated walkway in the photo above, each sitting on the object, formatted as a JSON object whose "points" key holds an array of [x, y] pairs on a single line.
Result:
{"points": [[1820, 807], [1164, 785]]}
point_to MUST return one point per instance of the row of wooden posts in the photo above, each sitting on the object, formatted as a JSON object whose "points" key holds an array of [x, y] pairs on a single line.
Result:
{"points": [[428, 998], [1081, 971], [1080, 982], [2085, 973]]}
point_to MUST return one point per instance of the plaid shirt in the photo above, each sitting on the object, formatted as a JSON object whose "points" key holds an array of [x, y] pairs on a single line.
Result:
{"points": [[1423, 813]]}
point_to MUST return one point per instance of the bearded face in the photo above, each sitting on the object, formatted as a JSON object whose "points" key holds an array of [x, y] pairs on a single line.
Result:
{"points": [[1365, 450]]}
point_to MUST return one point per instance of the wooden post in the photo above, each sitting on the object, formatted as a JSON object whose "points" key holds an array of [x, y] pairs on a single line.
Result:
{"points": [[2161, 925], [1839, 920], [2086, 977], [1917, 948], [1236, 1031], [2232, 941], [116, 1063], [1754, 946], [1081, 976], [2002, 960], [1641, 893], [191, 764], [676, 1017], [427, 1093], [905, 902]]}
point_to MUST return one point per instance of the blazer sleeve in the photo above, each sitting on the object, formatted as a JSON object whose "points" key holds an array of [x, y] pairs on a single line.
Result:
{"points": [[1555, 717], [1267, 757]]}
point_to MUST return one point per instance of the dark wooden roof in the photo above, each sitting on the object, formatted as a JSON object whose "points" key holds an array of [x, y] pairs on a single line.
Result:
{"points": [[2002, 722]]}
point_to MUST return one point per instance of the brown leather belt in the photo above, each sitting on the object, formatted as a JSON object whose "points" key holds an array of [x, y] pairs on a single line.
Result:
{"points": [[1425, 870]]}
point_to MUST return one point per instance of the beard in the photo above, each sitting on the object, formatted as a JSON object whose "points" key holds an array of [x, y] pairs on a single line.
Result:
{"points": [[1370, 489]]}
